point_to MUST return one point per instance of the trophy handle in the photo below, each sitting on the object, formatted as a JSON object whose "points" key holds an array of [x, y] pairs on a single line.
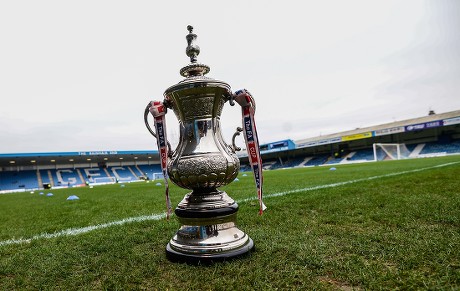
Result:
{"points": [[146, 121], [236, 148], [244, 102], [232, 99]]}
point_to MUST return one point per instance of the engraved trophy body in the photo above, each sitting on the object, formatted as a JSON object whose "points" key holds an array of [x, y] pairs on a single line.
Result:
{"points": [[202, 162]]}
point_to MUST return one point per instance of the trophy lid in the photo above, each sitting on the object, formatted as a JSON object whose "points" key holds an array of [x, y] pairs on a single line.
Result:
{"points": [[195, 72], [194, 68]]}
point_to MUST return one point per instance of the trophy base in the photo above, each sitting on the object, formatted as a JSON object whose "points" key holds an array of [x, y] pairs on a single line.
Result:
{"points": [[208, 258], [208, 232]]}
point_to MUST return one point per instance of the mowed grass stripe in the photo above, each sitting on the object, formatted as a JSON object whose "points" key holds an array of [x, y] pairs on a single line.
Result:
{"points": [[82, 230]]}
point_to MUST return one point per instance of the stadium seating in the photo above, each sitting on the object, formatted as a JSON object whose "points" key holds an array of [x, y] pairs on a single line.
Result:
{"points": [[441, 148], [294, 162], [245, 168], [123, 174], [69, 177], [272, 164], [363, 155], [368, 154], [26, 180], [149, 170], [411, 147], [332, 160], [21, 180], [48, 177], [33, 179], [317, 160]]}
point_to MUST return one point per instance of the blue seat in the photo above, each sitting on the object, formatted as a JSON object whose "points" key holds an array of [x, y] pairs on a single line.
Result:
{"points": [[14, 180]]}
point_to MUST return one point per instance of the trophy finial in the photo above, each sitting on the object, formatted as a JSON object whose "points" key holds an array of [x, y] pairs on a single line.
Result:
{"points": [[192, 51]]}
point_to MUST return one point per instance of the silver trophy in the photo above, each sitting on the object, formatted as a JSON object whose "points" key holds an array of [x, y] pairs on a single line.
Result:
{"points": [[202, 162]]}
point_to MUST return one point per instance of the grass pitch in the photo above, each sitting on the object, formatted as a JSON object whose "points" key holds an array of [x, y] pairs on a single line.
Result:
{"points": [[385, 225]]}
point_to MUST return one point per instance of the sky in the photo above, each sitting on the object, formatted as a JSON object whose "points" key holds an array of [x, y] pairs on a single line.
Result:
{"points": [[77, 75]]}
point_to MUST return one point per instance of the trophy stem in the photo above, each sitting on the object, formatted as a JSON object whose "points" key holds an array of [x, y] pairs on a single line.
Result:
{"points": [[208, 232]]}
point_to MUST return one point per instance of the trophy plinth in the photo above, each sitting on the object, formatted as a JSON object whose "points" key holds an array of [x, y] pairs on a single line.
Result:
{"points": [[208, 232]]}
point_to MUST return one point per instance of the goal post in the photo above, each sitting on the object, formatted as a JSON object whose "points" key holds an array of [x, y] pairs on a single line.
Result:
{"points": [[156, 176], [390, 151], [104, 180]]}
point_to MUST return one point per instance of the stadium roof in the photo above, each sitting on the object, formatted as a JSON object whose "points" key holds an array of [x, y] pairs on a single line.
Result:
{"points": [[396, 124], [27, 159]]}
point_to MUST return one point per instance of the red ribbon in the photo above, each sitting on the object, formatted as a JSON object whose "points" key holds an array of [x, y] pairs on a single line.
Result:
{"points": [[158, 110], [248, 106]]}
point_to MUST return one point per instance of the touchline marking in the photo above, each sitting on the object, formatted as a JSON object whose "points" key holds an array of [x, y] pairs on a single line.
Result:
{"points": [[348, 182], [77, 231]]}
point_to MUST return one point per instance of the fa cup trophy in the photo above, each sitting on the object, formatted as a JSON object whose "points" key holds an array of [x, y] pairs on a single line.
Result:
{"points": [[202, 162]]}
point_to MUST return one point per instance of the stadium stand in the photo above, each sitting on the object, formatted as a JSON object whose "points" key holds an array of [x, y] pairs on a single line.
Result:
{"points": [[149, 170], [19, 180], [245, 168], [363, 155], [333, 160], [272, 164], [295, 162], [317, 160], [432, 135], [122, 174], [69, 177], [440, 148]]}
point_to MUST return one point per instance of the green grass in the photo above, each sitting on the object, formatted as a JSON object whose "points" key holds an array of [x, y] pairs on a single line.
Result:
{"points": [[391, 232]]}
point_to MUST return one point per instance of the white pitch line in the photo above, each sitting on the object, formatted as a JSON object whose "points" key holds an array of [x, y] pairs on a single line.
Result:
{"points": [[77, 231], [347, 182]]}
